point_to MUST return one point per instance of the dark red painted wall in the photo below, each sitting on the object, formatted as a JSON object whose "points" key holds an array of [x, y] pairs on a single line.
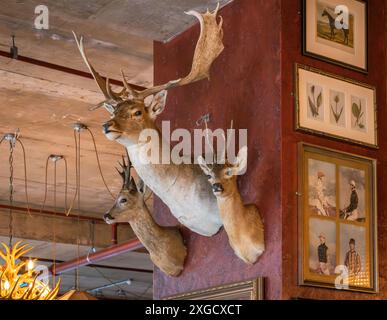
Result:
{"points": [[252, 82], [291, 53], [245, 87]]}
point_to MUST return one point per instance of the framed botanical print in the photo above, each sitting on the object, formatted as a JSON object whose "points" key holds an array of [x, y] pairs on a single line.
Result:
{"points": [[336, 31], [247, 290], [334, 106], [337, 220]]}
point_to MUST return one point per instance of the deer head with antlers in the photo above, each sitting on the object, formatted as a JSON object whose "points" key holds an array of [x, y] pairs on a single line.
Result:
{"points": [[181, 187], [164, 244]]}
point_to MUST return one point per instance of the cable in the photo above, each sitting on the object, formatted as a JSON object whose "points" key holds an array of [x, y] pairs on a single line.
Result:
{"points": [[99, 164], [25, 175], [45, 186]]}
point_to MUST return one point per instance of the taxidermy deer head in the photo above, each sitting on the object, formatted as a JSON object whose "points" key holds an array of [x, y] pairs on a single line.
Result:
{"points": [[242, 223], [164, 244], [181, 187]]}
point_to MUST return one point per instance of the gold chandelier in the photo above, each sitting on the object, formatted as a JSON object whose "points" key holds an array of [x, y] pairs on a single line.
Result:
{"points": [[15, 285]]}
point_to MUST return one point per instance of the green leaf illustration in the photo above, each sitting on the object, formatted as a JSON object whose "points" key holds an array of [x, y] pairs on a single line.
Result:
{"points": [[312, 107]]}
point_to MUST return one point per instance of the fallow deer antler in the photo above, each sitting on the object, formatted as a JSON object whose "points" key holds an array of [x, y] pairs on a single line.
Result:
{"points": [[208, 48]]}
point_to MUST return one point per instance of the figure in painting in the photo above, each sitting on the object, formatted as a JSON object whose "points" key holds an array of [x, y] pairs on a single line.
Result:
{"points": [[322, 203], [322, 251], [351, 212], [352, 259]]}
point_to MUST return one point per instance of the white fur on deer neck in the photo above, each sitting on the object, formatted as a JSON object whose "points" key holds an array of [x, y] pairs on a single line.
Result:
{"points": [[183, 189]]}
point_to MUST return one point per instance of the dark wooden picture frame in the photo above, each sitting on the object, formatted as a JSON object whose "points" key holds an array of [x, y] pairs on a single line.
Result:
{"points": [[321, 56]]}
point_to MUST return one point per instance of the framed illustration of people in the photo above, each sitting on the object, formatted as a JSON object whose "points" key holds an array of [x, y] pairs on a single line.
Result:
{"points": [[337, 214]]}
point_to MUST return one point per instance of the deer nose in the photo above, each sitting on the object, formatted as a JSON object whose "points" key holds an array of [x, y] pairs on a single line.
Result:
{"points": [[217, 187], [107, 217], [106, 126]]}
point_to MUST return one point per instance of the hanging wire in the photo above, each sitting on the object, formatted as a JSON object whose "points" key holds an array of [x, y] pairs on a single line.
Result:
{"points": [[78, 174], [10, 160], [25, 174], [45, 186], [54, 230], [99, 163]]}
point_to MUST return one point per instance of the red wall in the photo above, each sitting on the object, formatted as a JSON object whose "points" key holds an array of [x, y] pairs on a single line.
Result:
{"points": [[245, 87], [252, 82], [291, 53]]}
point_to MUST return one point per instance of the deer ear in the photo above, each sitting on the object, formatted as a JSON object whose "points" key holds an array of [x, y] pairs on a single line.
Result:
{"points": [[203, 165], [141, 186], [241, 163], [157, 105]]}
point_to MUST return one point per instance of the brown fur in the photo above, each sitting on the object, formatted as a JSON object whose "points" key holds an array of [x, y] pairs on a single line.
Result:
{"points": [[164, 244]]}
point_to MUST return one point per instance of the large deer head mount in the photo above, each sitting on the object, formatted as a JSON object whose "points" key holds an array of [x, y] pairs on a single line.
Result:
{"points": [[164, 244], [181, 187], [129, 104]]}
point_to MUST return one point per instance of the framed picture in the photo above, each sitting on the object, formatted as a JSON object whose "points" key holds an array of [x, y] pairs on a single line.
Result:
{"points": [[336, 31], [247, 290], [334, 106], [337, 220]]}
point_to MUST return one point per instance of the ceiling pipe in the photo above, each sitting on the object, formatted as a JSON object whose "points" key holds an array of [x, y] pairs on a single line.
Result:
{"points": [[98, 266], [52, 213], [104, 254], [63, 69]]}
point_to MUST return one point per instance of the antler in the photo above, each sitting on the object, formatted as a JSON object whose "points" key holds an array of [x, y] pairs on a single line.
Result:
{"points": [[128, 182], [208, 48]]}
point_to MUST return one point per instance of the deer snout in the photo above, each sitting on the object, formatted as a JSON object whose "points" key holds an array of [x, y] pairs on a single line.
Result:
{"points": [[217, 188], [106, 126], [108, 217]]}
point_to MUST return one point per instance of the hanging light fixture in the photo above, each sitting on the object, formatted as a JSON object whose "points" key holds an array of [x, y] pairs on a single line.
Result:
{"points": [[14, 283]]}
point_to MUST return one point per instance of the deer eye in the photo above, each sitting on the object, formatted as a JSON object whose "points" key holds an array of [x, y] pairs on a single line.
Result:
{"points": [[208, 176], [138, 113], [123, 200], [228, 172]]}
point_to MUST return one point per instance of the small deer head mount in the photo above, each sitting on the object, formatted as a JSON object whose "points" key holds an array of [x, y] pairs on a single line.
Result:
{"points": [[223, 177], [130, 198]]}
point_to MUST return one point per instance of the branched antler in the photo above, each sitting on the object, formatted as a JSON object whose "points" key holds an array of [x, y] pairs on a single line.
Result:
{"points": [[208, 48]]}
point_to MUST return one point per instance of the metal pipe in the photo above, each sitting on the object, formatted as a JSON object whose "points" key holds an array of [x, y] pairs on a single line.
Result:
{"points": [[52, 213], [114, 284], [63, 69], [98, 266], [114, 234], [104, 254]]}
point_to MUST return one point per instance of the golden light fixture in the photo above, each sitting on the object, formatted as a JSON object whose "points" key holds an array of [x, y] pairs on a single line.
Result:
{"points": [[15, 285]]}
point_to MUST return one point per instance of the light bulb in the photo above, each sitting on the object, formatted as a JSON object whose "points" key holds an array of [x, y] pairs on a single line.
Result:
{"points": [[6, 285], [30, 265]]}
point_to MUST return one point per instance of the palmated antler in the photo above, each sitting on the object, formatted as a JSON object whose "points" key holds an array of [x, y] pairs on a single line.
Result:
{"points": [[208, 48], [128, 181]]}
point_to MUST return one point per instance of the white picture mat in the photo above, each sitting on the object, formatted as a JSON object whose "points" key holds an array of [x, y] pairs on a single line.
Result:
{"points": [[327, 83], [332, 50]]}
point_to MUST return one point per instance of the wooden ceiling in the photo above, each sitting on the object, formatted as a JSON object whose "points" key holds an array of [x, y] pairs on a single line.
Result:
{"points": [[44, 104]]}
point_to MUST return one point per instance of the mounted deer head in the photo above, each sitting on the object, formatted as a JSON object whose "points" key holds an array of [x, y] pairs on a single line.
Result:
{"points": [[164, 244], [242, 223], [223, 177], [130, 113], [181, 187]]}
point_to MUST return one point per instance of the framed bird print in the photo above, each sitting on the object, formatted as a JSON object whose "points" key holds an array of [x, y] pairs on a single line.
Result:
{"points": [[336, 31], [337, 216], [337, 107]]}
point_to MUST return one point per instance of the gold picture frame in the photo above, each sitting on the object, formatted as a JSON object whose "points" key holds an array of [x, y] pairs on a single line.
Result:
{"points": [[335, 107], [346, 47], [247, 290], [337, 220]]}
